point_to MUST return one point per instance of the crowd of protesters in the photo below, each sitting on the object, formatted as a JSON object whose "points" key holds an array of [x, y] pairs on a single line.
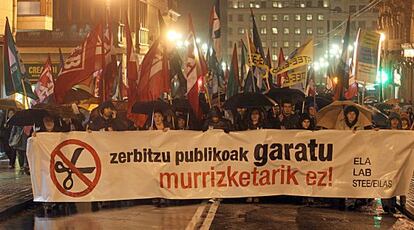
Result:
{"points": [[107, 118]]}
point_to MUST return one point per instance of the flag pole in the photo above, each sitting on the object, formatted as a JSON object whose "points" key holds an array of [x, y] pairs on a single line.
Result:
{"points": [[305, 86], [249, 58], [25, 93]]}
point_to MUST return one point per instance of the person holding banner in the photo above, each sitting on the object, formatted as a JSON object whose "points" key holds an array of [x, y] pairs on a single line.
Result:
{"points": [[256, 120], [350, 119], [273, 117], [306, 122], [215, 120], [158, 122]]}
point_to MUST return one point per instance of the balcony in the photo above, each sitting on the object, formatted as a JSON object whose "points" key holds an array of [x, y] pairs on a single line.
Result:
{"points": [[34, 15]]}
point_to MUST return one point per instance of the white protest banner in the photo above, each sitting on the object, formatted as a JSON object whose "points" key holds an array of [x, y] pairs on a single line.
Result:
{"points": [[367, 56], [102, 166]]}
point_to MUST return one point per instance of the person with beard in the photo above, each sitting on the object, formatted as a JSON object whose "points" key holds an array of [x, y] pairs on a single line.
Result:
{"points": [[350, 120]]}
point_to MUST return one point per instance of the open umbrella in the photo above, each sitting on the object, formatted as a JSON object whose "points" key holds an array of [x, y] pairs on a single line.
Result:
{"points": [[379, 118], [150, 106], [286, 94], [331, 114], [77, 95], [6, 103], [28, 117], [248, 100], [180, 104], [62, 111], [320, 101]]}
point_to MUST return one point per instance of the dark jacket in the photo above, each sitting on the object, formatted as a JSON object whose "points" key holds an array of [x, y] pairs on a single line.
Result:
{"points": [[99, 123], [290, 122], [223, 124]]}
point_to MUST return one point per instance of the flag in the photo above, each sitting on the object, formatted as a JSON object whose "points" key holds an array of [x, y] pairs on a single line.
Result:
{"points": [[78, 66], [119, 89], [233, 80], [215, 27], [259, 71], [45, 85], [268, 62], [61, 59], [281, 61], [310, 89], [342, 71], [195, 70], [256, 37], [15, 75], [251, 82], [179, 84], [244, 67], [301, 56]]}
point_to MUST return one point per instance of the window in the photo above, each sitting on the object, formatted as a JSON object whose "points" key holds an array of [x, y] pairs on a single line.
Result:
{"points": [[263, 31], [308, 3], [297, 17], [325, 4], [309, 17], [274, 17], [230, 18], [285, 44], [230, 30], [277, 4], [352, 9], [309, 31], [263, 18], [241, 4], [297, 44], [286, 17], [297, 30], [28, 8], [241, 30], [274, 57], [274, 44], [286, 30], [274, 30], [320, 30], [233, 5], [321, 17], [302, 5], [240, 17], [263, 4], [251, 5], [264, 44], [320, 3], [361, 7]]}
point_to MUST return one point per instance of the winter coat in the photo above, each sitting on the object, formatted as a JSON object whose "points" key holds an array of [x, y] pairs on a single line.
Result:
{"points": [[101, 124]]}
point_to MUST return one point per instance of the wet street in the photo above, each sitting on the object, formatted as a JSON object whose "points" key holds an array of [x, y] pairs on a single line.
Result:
{"points": [[204, 215], [18, 212]]}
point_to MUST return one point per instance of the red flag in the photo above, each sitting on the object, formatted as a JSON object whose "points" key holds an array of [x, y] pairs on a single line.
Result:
{"points": [[281, 60], [154, 75], [132, 78], [45, 85], [79, 66], [195, 70]]}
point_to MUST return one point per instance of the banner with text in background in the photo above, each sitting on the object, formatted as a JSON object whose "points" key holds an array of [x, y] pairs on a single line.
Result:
{"points": [[103, 166]]}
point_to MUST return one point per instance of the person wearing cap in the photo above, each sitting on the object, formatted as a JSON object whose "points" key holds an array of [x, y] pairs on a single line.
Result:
{"points": [[106, 120], [215, 120], [288, 118]]}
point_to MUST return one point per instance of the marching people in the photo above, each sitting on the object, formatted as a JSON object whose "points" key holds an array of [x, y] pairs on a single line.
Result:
{"points": [[181, 123], [306, 122], [5, 135], [106, 119], [288, 118], [405, 123], [273, 117], [312, 110], [255, 120], [239, 119], [350, 120], [18, 142], [158, 122], [215, 120]]}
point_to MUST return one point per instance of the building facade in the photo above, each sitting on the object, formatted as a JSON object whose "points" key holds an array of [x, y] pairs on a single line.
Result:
{"points": [[72, 20], [289, 24], [396, 21]]}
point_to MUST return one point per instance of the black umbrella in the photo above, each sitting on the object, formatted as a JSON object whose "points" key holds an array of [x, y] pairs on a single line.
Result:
{"points": [[28, 117], [379, 119], [320, 101], [286, 94], [248, 100], [150, 106], [181, 104]]}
